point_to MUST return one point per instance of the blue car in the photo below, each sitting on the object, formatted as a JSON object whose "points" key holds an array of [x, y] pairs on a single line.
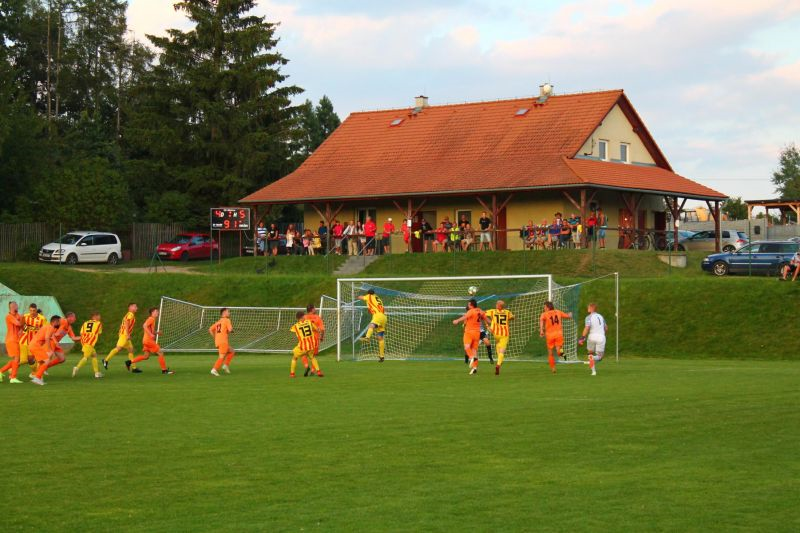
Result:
{"points": [[761, 257]]}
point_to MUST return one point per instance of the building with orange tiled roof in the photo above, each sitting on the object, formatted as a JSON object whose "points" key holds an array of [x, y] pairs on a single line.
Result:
{"points": [[518, 160]]}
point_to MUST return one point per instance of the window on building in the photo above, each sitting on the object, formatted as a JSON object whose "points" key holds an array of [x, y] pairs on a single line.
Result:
{"points": [[625, 152], [602, 148]]}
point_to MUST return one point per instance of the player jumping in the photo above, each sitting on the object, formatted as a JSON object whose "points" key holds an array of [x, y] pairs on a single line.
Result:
{"points": [[149, 344], [596, 328], [377, 323], [319, 335], [550, 322], [499, 320], [90, 332], [472, 332], [220, 331], [124, 340], [13, 334], [304, 329]]}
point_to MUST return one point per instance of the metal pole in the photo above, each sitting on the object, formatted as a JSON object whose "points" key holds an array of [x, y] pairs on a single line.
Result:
{"points": [[160, 309], [338, 320], [616, 311]]}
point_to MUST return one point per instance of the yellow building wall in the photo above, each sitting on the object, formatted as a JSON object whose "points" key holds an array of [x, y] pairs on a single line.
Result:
{"points": [[616, 129], [524, 207]]}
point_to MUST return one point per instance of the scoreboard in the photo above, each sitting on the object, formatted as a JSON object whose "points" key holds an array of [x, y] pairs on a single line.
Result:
{"points": [[230, 218]]}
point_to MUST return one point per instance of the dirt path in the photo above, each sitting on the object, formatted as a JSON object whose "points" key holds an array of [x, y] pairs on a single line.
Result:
{"points": [[169, 269]]}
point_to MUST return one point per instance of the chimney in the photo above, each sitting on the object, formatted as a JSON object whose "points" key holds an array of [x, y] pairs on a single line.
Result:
{"points": [[420, 103], [545, 92]]}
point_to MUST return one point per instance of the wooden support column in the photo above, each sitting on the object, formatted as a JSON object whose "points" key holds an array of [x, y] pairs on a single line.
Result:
{"points": [[408, 214], [328, 216], [675, 210], [714, 210]]}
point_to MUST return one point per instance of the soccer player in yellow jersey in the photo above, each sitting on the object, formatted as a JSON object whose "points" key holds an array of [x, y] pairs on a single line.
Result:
{"points": [[90, 332], [124, 340], [498, 320], [377, 323], [305, 330], [32, 321]]}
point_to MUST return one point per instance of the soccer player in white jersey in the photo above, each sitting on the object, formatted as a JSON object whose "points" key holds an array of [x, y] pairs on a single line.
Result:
{"points": [[594, 335]]}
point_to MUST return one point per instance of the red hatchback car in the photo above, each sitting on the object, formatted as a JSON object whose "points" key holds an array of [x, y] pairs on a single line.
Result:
{"points": [[187, 246]]}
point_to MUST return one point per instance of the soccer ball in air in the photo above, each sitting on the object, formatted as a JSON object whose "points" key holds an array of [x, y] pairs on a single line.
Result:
{"points": [[473, 290]]}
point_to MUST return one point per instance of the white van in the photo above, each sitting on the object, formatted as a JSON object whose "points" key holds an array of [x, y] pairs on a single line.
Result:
{"points": [[83, 247]]}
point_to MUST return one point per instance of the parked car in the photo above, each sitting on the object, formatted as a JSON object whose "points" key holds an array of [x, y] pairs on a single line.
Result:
{"points": [[730, 240], [760, 257], [185, 246], [83, 247]]}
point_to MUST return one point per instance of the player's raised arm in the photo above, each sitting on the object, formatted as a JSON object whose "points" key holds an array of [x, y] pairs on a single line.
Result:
{"points": [[460, 319]]}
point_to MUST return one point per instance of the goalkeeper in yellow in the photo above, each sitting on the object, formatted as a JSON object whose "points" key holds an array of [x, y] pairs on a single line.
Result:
{"points": [[377, 323], [90, 331], [307, 343], [498, 320]]}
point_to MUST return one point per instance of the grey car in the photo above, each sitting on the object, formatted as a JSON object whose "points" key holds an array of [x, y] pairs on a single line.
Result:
{"points": [[730, 241]]}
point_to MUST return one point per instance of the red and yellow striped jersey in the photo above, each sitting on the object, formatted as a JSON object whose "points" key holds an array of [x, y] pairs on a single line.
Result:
{"points": [[500, 320], [31, 323], [374, 304], [317, 321], [128, 321], [90, 331], [305, 330]]}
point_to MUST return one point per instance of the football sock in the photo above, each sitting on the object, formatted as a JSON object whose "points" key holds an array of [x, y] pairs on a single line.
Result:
{"points": [[7, 367], [82, 362], [474, 363], [12, 365], [219, 363], [55, 362], [591, 361], [162, 362], [95, 365], [229, 358], [500, 356], [139, 359], [381, 346], [131, 358], [314, 364], [489, 351], [305, 361], [112, 353], [294, 365], [551, 361], [40, 372], [369, 333]]}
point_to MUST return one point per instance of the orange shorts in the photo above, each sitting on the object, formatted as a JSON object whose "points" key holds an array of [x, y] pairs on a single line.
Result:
{"points": [[150, 347], [472, 339], [224, 349], [555, 340], [39, 353], [12, 349]]}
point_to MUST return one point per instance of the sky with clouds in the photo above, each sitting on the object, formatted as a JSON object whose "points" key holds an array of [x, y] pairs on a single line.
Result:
{"points": [[716, 81]]}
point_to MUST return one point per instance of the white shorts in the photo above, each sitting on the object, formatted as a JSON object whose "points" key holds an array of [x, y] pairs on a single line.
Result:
{"points": [[596, 344], [486, 236]]}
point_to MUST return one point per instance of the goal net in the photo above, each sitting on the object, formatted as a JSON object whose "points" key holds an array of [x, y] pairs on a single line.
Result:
{"points": [[420, 314], [184, 326]]}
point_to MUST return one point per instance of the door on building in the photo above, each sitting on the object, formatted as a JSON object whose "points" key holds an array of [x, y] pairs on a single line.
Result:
{"points": [[660, 225], [500, 225], [430, 218], [625, 227], [367, 212]]}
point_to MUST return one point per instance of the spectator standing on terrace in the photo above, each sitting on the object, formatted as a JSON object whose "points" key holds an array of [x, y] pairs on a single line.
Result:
{"points": [[486, 232], [467, 237], [308, 244], [273, 238], [573, 222], [591, 227], [554, 233], [388, 229], [338, 231], [291, 236], [362, 239], [566, 233], [427, 235], [370, 230], [322, 234], [440, 242], [261, 237], [406, 231], [602, 222], [351, 238], [541, 235]]}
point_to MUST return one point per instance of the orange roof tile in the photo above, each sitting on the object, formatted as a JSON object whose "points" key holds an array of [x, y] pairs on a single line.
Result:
{"points": [[449, 149]]}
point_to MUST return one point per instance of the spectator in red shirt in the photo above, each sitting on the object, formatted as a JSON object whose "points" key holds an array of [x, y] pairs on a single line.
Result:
{"points": [[338, 231], [591, 225], [370, 229], [388, 229], [440, 244], [407, 231]]}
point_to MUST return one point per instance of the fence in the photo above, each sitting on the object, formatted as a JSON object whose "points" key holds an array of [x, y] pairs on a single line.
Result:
{"points": [[22, 241]]}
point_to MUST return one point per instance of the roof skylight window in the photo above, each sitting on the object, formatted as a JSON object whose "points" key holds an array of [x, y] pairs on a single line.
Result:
{"points": [[396, 122], [521, 112]]}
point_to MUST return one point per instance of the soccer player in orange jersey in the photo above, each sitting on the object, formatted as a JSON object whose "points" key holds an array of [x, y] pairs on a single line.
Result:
{"points": [[304, 330], [319, 335], [220, 331], [41, 346], [472, 332], [498, 320], [64, 328], [149, 344], [550, 324], [124, 340], [90, 332], [13, 334]]}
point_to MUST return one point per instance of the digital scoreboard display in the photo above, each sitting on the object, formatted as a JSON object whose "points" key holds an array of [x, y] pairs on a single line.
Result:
{"points": [[230, 218]]}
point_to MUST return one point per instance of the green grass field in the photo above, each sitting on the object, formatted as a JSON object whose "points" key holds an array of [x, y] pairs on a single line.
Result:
{"points": [[647, 445], [696, 429]]}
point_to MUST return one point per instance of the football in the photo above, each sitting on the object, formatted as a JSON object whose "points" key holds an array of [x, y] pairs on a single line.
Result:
{"points": [[473, 290]]}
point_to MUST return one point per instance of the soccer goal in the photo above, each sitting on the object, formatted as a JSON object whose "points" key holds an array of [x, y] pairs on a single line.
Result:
{"points": [[420, 312], [184, 326]]}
